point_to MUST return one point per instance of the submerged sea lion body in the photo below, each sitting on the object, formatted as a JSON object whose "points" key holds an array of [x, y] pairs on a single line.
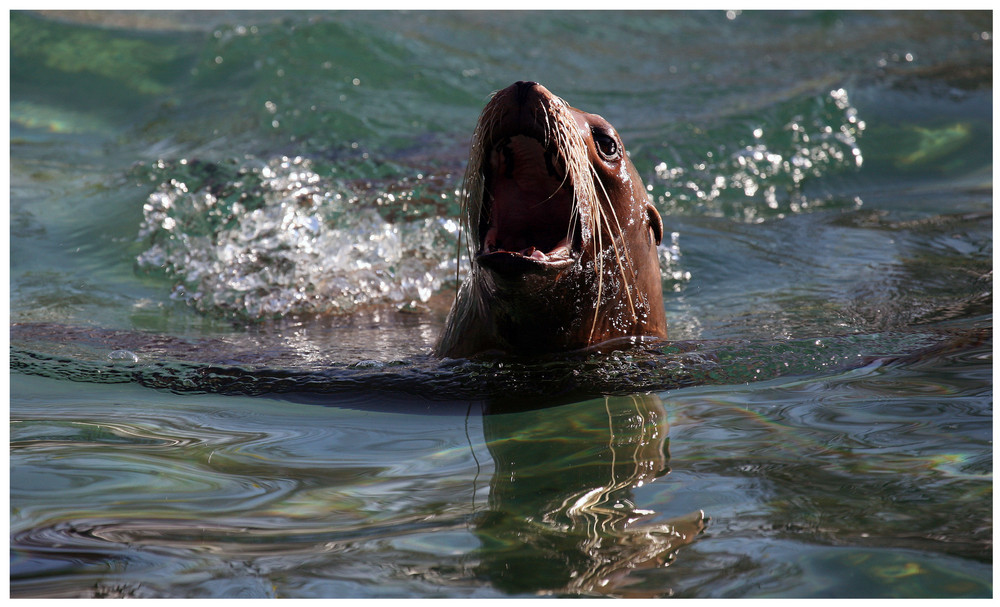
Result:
{"points": [[562, 235]]}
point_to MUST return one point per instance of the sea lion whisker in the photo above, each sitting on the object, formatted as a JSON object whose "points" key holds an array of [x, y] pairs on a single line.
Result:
{"points": [[571, 151], [614, 245], [578, 168], [546, 131], [599, 259], [597, 215], [458, 260], [620, 233]]}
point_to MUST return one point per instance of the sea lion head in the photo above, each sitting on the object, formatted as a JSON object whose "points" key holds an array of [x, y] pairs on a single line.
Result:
{"points": [[562, 235]]}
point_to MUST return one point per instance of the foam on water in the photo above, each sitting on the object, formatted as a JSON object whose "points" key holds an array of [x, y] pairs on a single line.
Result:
{"points": [[276, 238]]}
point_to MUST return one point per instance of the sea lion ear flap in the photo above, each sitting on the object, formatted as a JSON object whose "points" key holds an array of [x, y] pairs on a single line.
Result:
{"points": [[655, 223]]}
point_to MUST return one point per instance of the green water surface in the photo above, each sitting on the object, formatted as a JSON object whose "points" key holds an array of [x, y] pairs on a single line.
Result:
{"points": [[233, 244]]}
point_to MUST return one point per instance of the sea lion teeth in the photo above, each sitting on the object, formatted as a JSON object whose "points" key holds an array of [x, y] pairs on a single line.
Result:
{"points": [[562, 236], [562, 250]]}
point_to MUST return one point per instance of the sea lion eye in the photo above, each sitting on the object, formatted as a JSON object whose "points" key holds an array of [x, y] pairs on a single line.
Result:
{"points": [[606, 145]]}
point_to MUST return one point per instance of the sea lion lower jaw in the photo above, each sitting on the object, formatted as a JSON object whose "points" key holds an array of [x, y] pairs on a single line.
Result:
{"points": [[562, 234], [509, 262]]}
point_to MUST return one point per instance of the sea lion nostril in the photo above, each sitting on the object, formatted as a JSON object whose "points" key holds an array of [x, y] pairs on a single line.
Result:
{"points": [[522, 88]]}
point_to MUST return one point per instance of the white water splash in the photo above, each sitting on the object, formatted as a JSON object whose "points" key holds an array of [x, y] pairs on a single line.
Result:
{"points": [[287, 241], [764, 178]]}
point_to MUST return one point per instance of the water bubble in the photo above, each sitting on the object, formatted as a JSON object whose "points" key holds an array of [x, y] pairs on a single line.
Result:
{"points": [[123, 356], [763, 178]]}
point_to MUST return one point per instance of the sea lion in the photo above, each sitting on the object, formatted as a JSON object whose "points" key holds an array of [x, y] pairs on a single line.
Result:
{"points": [[562, 234]]}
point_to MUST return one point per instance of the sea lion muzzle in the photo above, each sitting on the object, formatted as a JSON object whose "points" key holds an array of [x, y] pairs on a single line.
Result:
{"points": [[527, 204]]}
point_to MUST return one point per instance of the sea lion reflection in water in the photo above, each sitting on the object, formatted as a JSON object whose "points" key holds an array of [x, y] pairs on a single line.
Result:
{"points": [[562, 234], [574, 528]]}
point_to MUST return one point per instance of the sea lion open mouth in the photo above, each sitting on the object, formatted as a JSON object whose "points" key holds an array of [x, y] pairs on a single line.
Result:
{"points": [[527, 210], [562, 234]]}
